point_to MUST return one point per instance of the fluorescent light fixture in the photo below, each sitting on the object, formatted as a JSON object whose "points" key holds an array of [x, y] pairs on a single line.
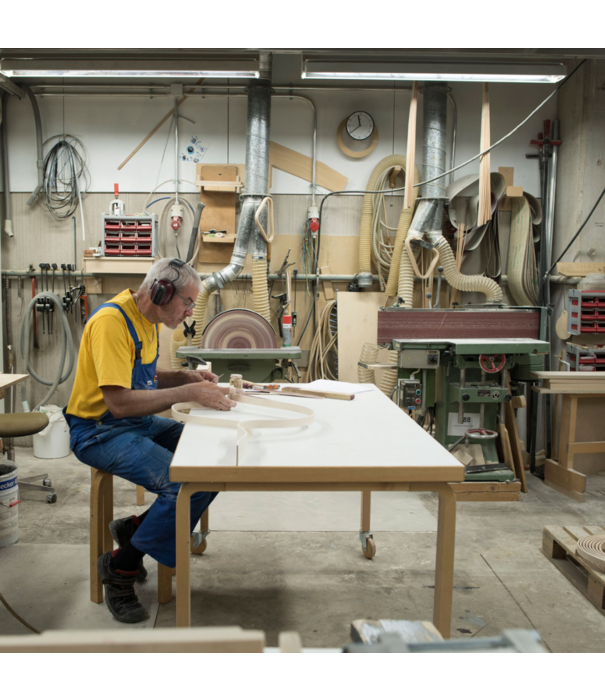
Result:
{"points": [[131, 69], [317, 69]]}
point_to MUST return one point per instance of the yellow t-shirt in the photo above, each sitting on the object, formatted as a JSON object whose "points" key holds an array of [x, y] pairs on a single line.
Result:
{"points": [[107, 355]]}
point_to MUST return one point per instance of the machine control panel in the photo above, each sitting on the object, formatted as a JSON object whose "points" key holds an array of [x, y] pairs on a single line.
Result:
{"points": [[409, 392], [418, 358]]}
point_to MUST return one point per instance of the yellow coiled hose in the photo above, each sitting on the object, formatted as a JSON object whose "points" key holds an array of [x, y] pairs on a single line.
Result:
{"points": [[369, 353], [365, 231], [260, 288], [466, 283]]}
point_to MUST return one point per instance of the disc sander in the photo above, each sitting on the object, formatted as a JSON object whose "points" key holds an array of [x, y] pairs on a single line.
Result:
{"points": [[239, 329]]}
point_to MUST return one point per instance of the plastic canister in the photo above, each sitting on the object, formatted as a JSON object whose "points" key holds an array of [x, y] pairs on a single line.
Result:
{"points": [[53, 441], [9, 504]]}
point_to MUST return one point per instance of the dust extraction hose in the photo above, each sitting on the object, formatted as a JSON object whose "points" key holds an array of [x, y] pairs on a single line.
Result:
{"points": [[466, 283], [67, 345], [260, 289], [369, 353], [365, 232]]}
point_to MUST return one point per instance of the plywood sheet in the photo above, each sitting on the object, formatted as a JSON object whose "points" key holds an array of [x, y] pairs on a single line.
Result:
{"points": [[357, 324], [219, 212]]}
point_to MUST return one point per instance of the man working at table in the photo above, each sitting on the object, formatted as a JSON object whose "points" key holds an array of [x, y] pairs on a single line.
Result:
{"points": [[117, 391]]}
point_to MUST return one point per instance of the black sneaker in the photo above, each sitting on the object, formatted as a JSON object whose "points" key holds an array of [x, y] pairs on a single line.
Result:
{"points": [[122, 531], [120, 597]]}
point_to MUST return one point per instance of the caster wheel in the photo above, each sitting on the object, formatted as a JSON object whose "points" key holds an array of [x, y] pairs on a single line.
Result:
{"points": [[51, 498], [201, 548], [47, 482], [370, 551]]}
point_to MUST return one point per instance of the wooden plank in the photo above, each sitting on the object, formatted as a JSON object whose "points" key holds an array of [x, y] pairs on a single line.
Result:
{"points": [[586, 447], [410, 631], [565, 478], [509, 176], [514, 192], [117, 266], [574, 495], [567, 433], [516, 452], [296, 163], [482, 491], [357, 324], [580, 269], [195, 640]]}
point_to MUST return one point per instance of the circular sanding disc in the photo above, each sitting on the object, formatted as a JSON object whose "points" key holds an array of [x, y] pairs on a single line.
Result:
{"points": [[239, 329]]}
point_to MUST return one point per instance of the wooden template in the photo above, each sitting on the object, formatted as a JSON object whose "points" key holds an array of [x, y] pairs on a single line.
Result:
{"points": [[352, 459]]}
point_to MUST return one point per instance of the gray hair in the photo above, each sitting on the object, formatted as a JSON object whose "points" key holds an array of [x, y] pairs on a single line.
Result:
{"points": [[162, 270]]}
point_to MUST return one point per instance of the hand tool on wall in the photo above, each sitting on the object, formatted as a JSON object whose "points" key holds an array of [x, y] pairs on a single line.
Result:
{"points": [[36, 344]]}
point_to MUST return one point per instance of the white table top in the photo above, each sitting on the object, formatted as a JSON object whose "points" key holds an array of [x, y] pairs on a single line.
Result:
{"points": [[367, 439]]}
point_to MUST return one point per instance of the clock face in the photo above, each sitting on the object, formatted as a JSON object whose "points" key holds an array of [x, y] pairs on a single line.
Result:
{"points": [[360, 126]]}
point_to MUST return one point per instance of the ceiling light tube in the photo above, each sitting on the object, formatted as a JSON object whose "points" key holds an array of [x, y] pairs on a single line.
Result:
{"points": [[221, 69], [446, 72]]}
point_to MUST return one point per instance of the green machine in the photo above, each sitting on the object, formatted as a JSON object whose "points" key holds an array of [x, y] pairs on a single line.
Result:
{"points": [[462, 383], [241, 341]]}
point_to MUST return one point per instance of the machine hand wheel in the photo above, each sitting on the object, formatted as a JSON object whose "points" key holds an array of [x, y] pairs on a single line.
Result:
{"points": [[492, 363]]}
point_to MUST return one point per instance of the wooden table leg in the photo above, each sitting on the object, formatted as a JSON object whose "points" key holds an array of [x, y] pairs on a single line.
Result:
{"points": [[444, 566], [366, 503], [107, 513], [569, 414], [96, 533], [183, 536], [140, 496], [164, 583]]}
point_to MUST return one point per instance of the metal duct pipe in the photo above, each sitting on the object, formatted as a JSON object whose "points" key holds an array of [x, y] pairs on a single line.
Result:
{"points": [[257, 188], [433, 151]]}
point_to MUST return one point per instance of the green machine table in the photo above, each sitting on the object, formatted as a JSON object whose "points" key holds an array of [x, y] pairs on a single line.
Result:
{"points": [[256, 365]]}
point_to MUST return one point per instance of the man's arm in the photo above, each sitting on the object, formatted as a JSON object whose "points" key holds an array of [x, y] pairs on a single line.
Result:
{"points": [[127, 403], [168, 379]]}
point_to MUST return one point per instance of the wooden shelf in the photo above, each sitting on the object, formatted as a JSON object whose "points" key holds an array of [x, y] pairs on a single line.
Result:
{"points": [[220, 185], [226, 238], [117, 266]]}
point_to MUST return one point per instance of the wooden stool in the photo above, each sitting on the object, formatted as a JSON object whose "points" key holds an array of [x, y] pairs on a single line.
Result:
{"points": [[101, 514]]}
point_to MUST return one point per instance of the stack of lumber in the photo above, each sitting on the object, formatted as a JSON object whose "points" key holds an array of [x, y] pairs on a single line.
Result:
{"points": [[571, 382]]}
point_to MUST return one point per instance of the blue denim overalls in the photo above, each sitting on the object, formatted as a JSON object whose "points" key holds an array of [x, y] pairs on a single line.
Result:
{"points": [[139, 450]]}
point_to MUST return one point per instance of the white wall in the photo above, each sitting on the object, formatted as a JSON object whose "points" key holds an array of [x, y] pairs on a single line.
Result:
{"points": [[111, 127]]}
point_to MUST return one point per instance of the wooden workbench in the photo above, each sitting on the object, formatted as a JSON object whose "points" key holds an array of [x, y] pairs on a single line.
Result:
{"points": [[559, 472], [367, 444]]}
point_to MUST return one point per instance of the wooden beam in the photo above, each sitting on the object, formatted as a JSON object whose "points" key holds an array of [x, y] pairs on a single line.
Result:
{"points": [[568, 479], [296, 163], [580, 269]]}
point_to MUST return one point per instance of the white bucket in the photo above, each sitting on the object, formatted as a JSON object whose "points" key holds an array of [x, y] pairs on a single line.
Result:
{"points": [[53, 441], [9, 500]]}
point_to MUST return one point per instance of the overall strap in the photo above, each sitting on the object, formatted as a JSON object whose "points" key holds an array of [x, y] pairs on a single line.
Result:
{"points": [[133, 334]]}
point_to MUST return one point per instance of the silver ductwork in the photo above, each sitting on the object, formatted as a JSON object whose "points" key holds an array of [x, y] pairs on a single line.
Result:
{"points": [[428, 218], [249, 238]]}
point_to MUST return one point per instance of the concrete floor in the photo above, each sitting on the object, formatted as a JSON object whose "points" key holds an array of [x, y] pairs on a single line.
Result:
{"points": [[293, 562]]}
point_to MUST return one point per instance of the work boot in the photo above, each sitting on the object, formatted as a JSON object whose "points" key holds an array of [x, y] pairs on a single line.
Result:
{"points": [[122, 531], [120, 597]]}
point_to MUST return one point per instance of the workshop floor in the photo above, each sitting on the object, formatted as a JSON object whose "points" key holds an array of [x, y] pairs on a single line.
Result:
{"points": [[293, 562]]}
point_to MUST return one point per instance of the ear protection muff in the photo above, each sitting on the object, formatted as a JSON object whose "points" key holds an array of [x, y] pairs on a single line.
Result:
{"points": [[162, 290]]}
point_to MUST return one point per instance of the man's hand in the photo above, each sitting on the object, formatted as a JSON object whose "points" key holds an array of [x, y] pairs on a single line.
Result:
{"points": [[202, 375], [212, 396]]}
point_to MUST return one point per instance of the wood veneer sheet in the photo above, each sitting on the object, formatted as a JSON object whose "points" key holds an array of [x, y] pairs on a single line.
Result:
{"points": [[245, 427]]}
